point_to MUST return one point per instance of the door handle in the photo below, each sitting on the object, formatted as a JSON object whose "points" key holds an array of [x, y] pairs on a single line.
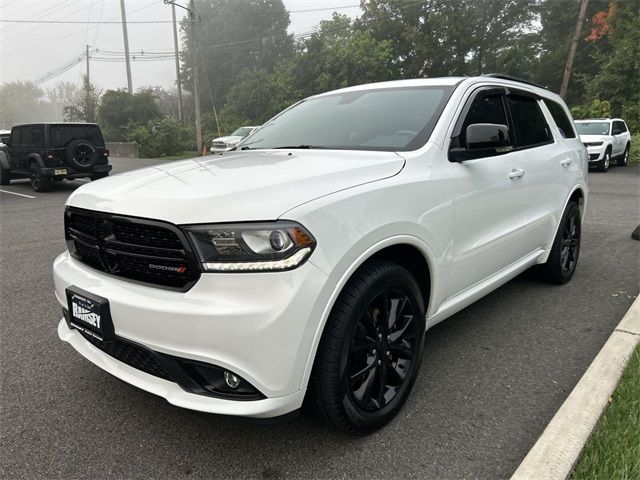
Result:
{"points": [[566, 162], [516, 173]]}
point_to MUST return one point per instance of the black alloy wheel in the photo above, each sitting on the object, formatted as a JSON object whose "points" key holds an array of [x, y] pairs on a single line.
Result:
{"points": [[382, 349], [570, 243], [371, 349], [563, 258]]}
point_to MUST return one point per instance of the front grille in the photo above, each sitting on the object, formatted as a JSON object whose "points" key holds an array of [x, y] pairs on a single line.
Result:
{"points": [[131, 354], [593, 156], [144, 251]]}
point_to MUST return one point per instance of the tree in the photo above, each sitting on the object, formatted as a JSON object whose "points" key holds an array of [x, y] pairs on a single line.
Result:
{"points": [[618, 67], [234, 35], [119, 109], [84, 108], [23, 102]]}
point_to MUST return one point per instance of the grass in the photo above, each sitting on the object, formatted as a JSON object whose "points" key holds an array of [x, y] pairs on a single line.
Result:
{"points": [[613, 450]]}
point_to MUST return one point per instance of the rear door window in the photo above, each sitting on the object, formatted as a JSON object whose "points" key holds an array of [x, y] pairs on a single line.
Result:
{"points": [[62, 135], [560, 117], [531, 127]]}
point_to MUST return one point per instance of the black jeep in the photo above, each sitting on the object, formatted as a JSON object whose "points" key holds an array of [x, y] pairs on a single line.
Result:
{"points": [[47, 152]]}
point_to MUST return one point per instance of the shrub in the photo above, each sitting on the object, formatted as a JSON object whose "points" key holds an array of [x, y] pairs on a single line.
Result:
{"points": [[634, 154], [160, 137]]}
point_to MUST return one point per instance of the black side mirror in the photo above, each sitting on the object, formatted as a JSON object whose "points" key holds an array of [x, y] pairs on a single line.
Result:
{"points": [[487, 135]]}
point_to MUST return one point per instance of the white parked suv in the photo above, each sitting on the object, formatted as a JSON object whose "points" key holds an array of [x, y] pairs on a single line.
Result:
{"points": [[606, 139], [224, 144], [309, 263]]}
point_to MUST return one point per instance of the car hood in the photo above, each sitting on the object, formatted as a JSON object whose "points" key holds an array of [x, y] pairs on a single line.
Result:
{"points": [[239, 186], [593, 138], [227, 139]]}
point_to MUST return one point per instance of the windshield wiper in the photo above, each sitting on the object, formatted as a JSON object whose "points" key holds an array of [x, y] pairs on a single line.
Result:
{"points": [[246, 147], [297, 147]]}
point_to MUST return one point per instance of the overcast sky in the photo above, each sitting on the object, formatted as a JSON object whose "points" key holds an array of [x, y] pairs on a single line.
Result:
{"points": [[29, 51]]}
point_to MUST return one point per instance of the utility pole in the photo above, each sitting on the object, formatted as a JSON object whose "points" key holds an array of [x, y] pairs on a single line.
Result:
{"points": [[572, 48], [123, 14], [175, 48], [88, 78], [193, 16]]}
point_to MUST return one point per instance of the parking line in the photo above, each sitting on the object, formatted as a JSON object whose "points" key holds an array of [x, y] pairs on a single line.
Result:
{"points": [[19, 194]]}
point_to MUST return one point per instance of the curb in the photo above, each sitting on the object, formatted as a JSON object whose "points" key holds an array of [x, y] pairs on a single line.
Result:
{"points": [[556, 452]]}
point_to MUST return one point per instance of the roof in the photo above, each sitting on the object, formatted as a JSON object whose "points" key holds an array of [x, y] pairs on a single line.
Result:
{"points": [[598, 120], [52, 123]]}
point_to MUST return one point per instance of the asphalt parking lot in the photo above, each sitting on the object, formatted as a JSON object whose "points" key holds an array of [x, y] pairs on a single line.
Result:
{"points": [[492, 377]]}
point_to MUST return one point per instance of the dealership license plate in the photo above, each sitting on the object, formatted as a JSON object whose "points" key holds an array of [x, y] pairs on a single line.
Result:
{"points": [[60, 171], [89, 313]]}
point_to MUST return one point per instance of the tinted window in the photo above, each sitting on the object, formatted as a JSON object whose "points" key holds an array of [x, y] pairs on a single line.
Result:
{"points": [[62, 135], [593, 128], [37, 136], [560, 117], [484, 109], [529, 122], [380, 119], [618, 127]]}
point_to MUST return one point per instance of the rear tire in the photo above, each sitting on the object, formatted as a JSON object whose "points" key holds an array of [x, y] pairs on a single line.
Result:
{"points": [[624, 159], [563, 259], [371, 349], [5, 176], [39, 182]]}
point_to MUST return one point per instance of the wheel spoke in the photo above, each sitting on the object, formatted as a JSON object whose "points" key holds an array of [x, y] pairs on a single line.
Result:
{"points": [[400, 333], [382, 385], [363, 394], [359, 374], [402, 351]]}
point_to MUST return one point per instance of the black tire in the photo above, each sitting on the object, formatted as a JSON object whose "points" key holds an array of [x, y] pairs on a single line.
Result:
{"points": [[81, 155], [563, 259], [39, 182], [98, 176], [5, 176], [605, 162], [358, 356], [624, 159]]}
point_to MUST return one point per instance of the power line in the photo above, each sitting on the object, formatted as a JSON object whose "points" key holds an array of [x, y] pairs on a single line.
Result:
{"points": [[82, 22]]}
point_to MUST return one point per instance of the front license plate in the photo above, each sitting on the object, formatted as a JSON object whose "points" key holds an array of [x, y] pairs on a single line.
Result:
{"points": [[60, 171], [89, 313]]}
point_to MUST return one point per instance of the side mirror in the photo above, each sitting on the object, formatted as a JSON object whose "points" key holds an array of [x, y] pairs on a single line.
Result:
{"points": [[481, 140], [487, 135]]}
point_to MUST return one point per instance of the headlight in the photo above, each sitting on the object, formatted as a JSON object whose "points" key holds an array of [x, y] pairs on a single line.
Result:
{"points": [[251, 247], [593, 144]]}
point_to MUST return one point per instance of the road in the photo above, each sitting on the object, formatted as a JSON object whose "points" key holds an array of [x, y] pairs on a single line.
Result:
{"points": [[493, 375]]}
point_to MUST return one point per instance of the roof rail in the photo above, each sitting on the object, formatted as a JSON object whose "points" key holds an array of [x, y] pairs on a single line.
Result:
{"points": [[515, 79]]}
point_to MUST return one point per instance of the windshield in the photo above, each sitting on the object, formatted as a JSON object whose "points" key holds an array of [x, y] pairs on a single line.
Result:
{"points": [[592, 128], [242, 132], [61, 135], [386, 119]]}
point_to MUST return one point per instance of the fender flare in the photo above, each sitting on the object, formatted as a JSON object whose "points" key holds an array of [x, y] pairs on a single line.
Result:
{"points": [[348, 273], [583, 208], [35, 157], [4, 161]]}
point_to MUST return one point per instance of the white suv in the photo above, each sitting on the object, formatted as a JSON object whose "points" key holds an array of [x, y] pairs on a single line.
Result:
{"points": [[605, 139], [310, 262]]}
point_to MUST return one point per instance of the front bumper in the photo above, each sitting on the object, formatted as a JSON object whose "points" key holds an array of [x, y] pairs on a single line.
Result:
{"points": [[257, 325], [596, 153]]}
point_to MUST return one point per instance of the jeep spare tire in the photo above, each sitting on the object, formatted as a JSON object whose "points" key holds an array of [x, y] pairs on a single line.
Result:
{"points": [[81, 155]]}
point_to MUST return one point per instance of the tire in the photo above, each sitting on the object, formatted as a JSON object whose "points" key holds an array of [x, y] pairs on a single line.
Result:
{"points": [[98, 176], [606, 161], [624, 159], [81, 155], [39, 182], [563, 259], [5, 176], [357, 351]]}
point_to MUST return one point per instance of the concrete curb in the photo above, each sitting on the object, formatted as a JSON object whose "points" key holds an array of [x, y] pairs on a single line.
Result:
{"points": [[557, 450]]}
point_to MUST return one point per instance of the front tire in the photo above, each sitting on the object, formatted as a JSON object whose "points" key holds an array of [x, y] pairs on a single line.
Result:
{"points": [[563, 259], [39, 182], [624, 159], [606, 161], [371, 349], [5, 176]]}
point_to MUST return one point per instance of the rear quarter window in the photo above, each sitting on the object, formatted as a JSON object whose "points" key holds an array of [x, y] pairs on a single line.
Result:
{"points": [[565, 125]]}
